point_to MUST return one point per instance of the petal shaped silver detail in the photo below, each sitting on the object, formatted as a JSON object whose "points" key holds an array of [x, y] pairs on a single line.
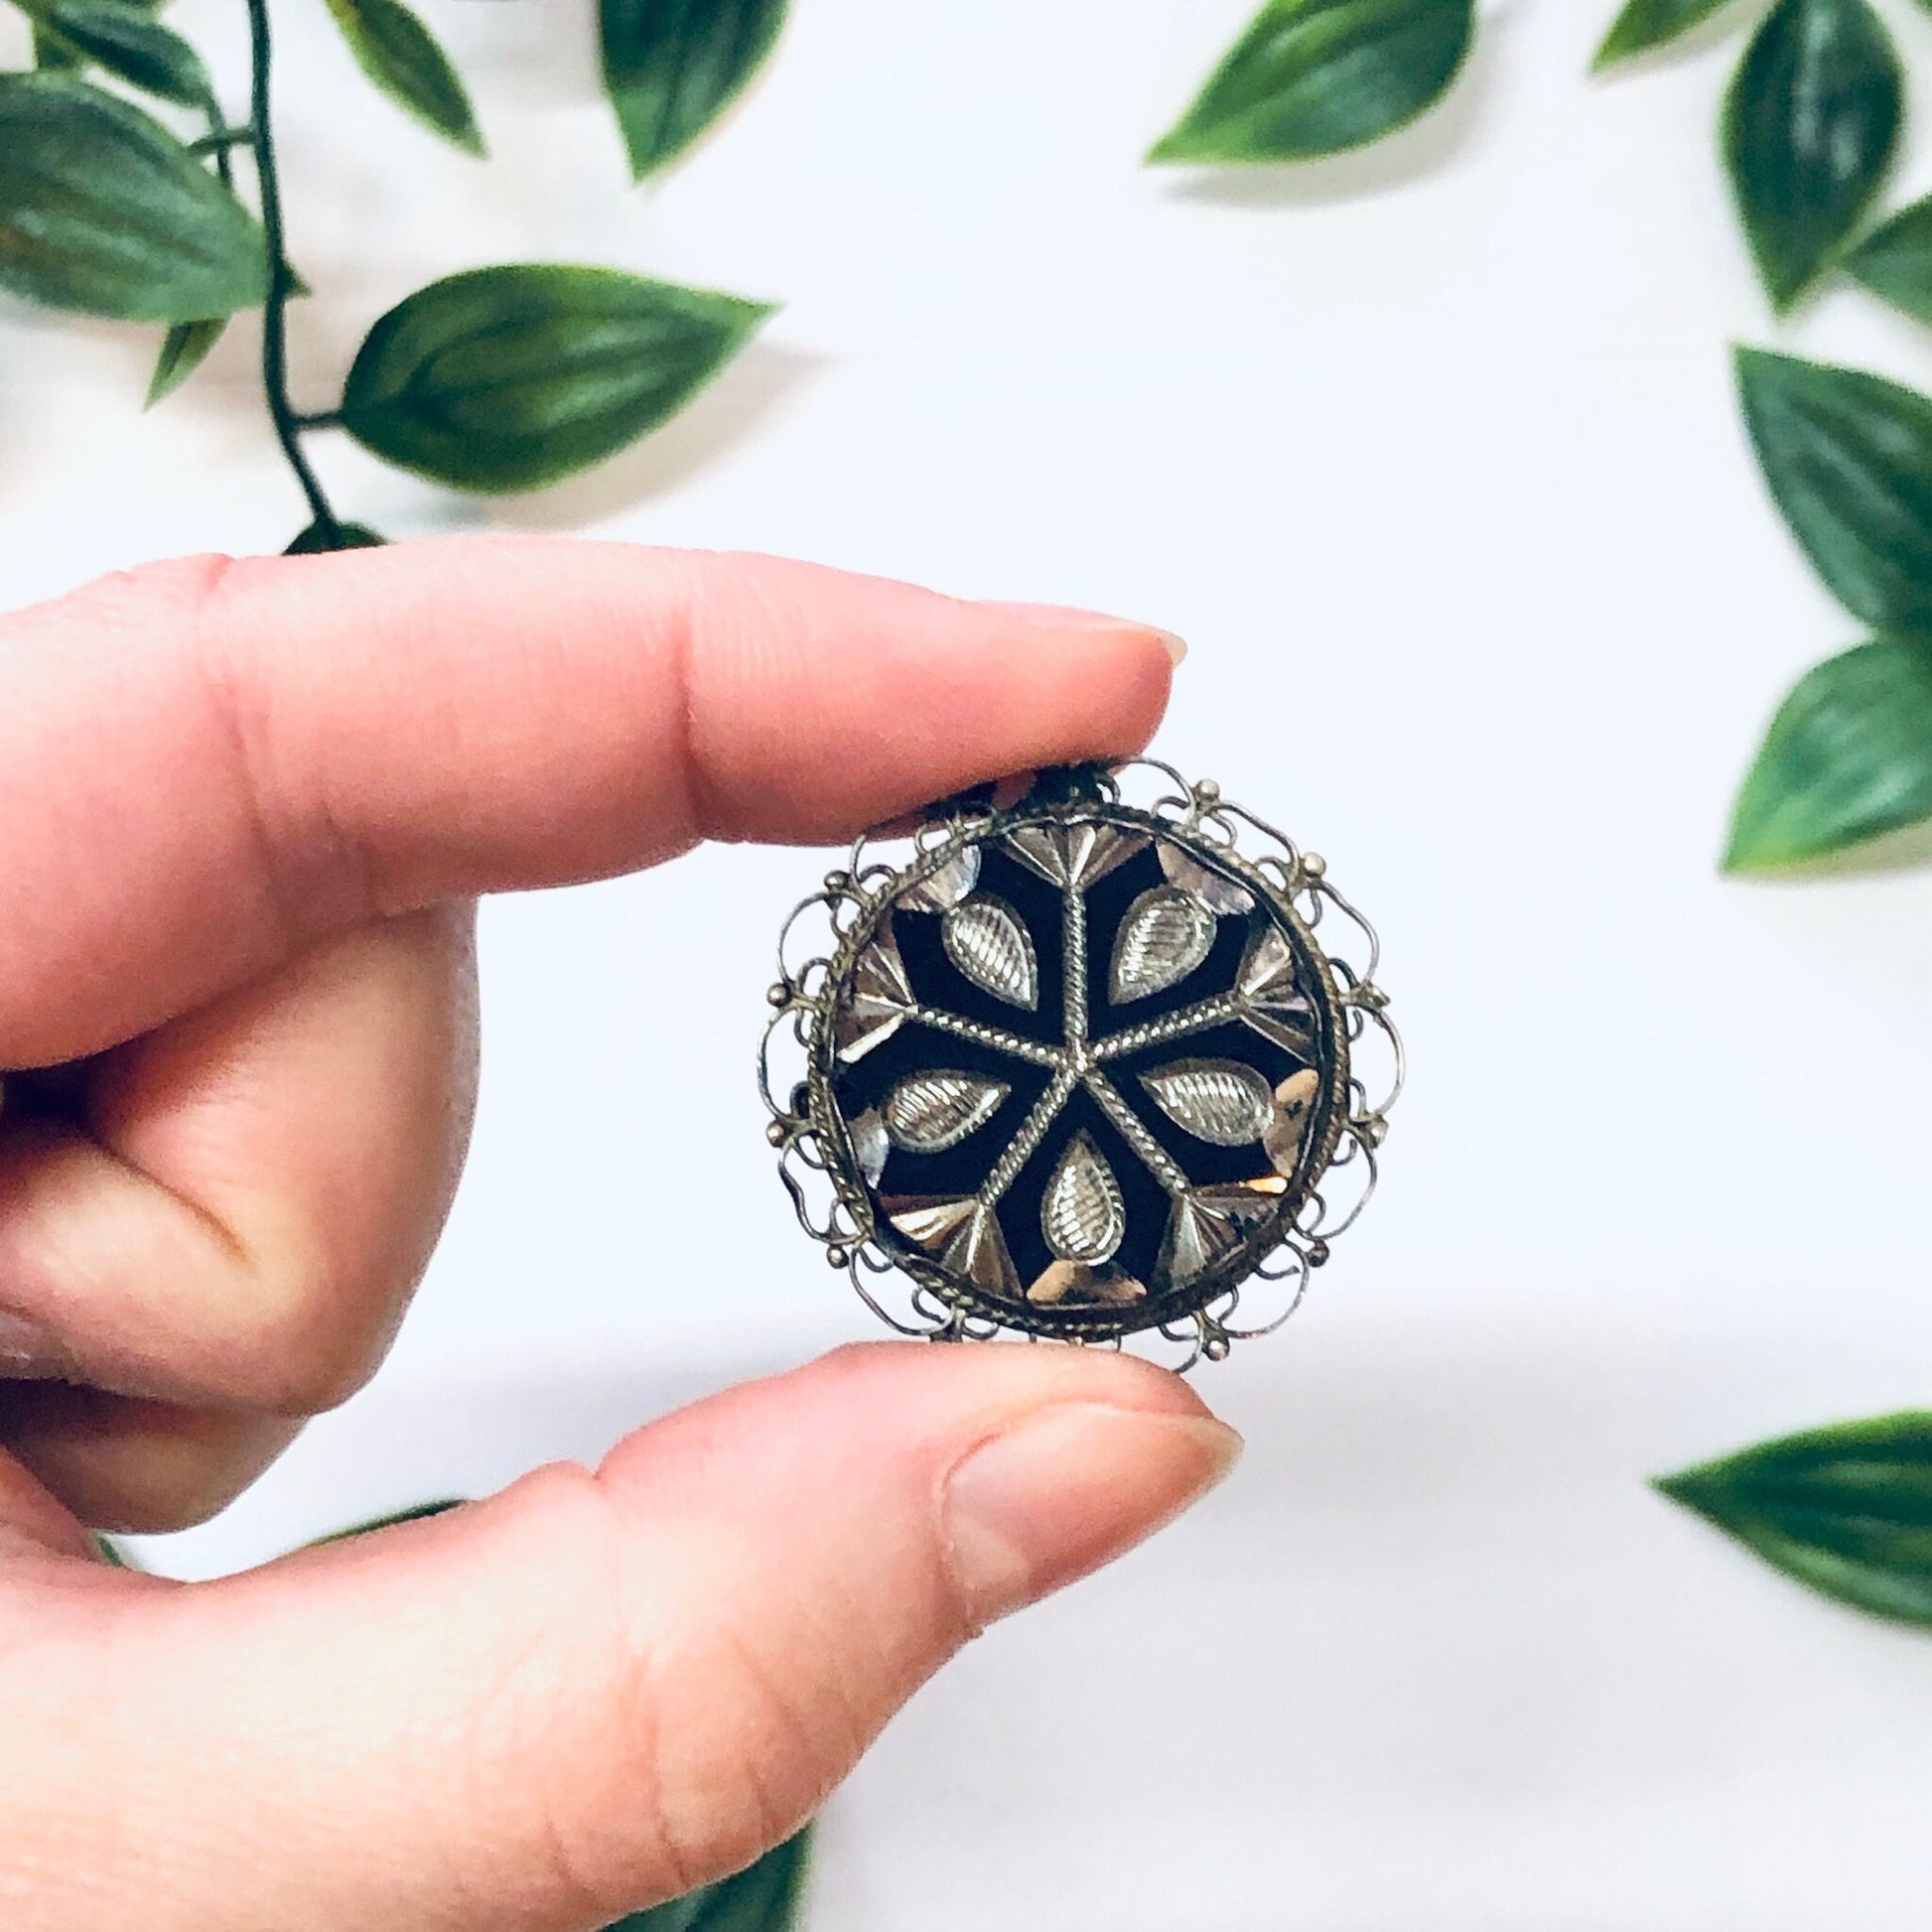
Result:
{"points": [[1267, 974], [942, 889], [1165, 936], [1073, 855], [880, 999], [869, 1147], [1294, 1108], [1218, 895], [1276, 1007], [927, 1113], [1073, 1283], [1081, 1212], [984, 938], [964, 1236], [1222, 1102], [1205, 1223]]}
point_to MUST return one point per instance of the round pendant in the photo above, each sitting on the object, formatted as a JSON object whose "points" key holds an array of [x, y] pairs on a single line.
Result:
{"points": [[1081, 1068]]}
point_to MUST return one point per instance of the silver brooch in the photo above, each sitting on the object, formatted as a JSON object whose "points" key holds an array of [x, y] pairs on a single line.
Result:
{"points": [[1080, 1068]]}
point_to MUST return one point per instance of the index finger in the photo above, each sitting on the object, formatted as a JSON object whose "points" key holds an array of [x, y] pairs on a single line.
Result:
{"points": [[204, 765]]}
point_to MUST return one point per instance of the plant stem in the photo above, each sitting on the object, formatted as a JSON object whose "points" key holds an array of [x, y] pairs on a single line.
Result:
{"points": [[275, 359], [218, 139]]}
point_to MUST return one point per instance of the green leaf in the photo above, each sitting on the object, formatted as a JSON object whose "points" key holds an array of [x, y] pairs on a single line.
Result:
{"points": [[317, 540], [509, 378], [1647, 24], [401, 56], [129, 45], [416, 1512], [53, 56], [1849, 459], [672, 66], [1315, 77], [765, 1898], [1847, 1509], [1809, 127], [183, 350], [104, 210], [1894, 261], [1848, 757]]}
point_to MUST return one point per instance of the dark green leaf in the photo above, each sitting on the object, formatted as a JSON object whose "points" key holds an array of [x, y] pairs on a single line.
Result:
{"points": [[128, 43], [1848, 757], [508, 378], [671, 67], [1809, 124], [183, 350], [416, 1512], [1645, 24], [53, 56], [1849, 458], [763, 1898], [112, 1555], [1894, 260], [1315, 77], [400, 55], [1846, 1509], [104, 210]]}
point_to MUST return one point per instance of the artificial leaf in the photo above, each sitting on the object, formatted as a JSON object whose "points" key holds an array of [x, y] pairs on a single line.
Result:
{"points": [[183, 350], [1847, 1509], [509, 378], [104, 210], [128, 43], [401, 56], [672, 66], [53, 56], [1809, 127], [1848, 757], [1894, 261], [1315, 77], [1849, 459], [416, 1512], [765, 1898], [1647, 24]]}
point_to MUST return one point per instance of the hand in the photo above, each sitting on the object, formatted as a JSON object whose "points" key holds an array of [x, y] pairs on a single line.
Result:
{"points": [[244, 808]]}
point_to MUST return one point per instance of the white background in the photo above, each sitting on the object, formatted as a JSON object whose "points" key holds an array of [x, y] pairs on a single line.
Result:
{"points": [[1432, 455]]}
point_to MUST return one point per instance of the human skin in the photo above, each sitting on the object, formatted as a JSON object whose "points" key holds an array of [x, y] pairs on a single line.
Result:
{"points": [[245, 811]]}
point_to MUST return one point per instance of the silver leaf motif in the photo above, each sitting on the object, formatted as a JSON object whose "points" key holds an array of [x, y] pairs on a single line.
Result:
{"points": [[942, 889], [1081, 1214], [1218, 895], [927, 1113], [1222, 1102], [984, 938], [1165, 936]]}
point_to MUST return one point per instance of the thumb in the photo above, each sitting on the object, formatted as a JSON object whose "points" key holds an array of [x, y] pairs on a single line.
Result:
{"points": [[594, 1691]]}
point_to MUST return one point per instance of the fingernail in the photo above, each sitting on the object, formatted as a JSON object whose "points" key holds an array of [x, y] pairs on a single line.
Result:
{"points": [[28, 1353], [1069, 1488], [1063, 617]]}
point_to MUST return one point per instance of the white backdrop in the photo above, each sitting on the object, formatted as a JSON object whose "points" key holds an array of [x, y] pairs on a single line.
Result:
{"points": [[1432, 455]]}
